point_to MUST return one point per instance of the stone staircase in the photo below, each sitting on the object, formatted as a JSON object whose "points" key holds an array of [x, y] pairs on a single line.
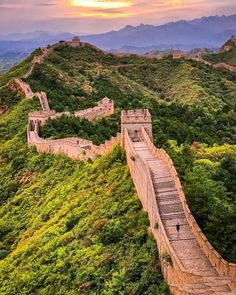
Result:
{"points": [[185, 246]]}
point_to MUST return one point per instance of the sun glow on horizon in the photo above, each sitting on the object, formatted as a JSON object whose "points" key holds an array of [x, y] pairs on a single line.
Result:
{"points": [[100, 4], [175, 2], [105, 15]]}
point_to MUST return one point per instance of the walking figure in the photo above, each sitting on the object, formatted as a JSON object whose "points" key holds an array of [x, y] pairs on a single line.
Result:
{"points": [[177, 229]]}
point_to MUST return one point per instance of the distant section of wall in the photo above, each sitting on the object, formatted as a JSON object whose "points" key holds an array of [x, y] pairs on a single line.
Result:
{"points": [[75, 148], [105, 107], [37, 59], [226, 67], [222, 65], [22, 87]]}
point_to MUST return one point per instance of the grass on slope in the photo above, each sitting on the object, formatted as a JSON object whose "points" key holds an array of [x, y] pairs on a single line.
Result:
{"points": [[70, 227]]}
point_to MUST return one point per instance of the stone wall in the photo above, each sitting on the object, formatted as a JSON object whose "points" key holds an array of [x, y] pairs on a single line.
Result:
{"points": [[223, 267], [22, 87], [221, 65], [73, 147], [226, 67], [37, 59], [42, 96], [105, 107]]}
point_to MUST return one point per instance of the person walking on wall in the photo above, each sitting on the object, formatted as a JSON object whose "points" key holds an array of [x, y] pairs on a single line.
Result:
{"points": [[178, 229]]}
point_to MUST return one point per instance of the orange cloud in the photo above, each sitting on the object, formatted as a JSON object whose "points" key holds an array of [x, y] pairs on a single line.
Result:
{"points": [[100, 4]]}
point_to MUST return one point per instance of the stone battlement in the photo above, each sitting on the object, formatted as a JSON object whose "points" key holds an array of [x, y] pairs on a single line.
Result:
{"points": [[135, 115], [134, 120]]}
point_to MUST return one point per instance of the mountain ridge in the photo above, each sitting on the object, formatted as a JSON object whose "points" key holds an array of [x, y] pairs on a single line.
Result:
{"points": [[205, 32]]}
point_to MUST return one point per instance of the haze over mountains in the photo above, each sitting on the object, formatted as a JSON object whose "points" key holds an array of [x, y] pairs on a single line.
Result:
{"points": [[207, 32]]}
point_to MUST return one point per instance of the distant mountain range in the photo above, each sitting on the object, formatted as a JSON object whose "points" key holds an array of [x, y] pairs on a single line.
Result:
{"points": [[206, 32]]}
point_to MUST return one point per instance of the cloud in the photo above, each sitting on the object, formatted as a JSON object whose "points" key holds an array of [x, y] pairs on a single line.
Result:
{"points": [[100, 4], [102, 15], [45, 4]]}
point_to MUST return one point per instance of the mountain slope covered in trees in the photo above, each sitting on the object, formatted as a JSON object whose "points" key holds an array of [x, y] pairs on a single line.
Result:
{"points": [[78, 226], [68, 226], [189, 101]]}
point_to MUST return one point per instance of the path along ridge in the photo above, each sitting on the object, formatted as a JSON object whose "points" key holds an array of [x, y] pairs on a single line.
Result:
{"points": [[189, 263]]}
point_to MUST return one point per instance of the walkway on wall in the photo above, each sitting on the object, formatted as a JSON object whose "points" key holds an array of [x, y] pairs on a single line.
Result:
{"points": [[185, 246]]}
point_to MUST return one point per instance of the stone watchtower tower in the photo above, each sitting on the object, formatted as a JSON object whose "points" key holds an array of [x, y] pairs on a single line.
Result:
{"points": [[75, 42], [133, 121], [107, 105]]}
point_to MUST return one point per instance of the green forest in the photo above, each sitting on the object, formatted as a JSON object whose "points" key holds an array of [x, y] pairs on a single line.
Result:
{"points": [[69, 226]]}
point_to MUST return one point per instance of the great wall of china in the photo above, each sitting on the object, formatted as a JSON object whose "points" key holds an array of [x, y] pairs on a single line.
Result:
{"points": [[189, 263]]}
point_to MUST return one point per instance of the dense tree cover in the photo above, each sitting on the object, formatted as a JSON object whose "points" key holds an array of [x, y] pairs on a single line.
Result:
{"points": [[208, 176], [73, 80], [8, 97], [97, 131], [69, 226]]}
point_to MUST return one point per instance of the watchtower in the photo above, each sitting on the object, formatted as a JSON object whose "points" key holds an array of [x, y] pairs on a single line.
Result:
{"points": [[75, 42], [134, 120], [107, 105]]}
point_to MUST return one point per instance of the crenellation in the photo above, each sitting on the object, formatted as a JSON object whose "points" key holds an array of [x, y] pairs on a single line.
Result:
{"points": [[134, 120]]}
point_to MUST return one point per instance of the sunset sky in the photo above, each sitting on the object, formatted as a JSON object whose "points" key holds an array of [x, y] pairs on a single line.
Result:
{"points": [[95, 16]]}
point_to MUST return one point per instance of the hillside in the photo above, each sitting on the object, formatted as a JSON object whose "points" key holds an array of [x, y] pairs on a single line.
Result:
{"points": [[53, 224]]}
